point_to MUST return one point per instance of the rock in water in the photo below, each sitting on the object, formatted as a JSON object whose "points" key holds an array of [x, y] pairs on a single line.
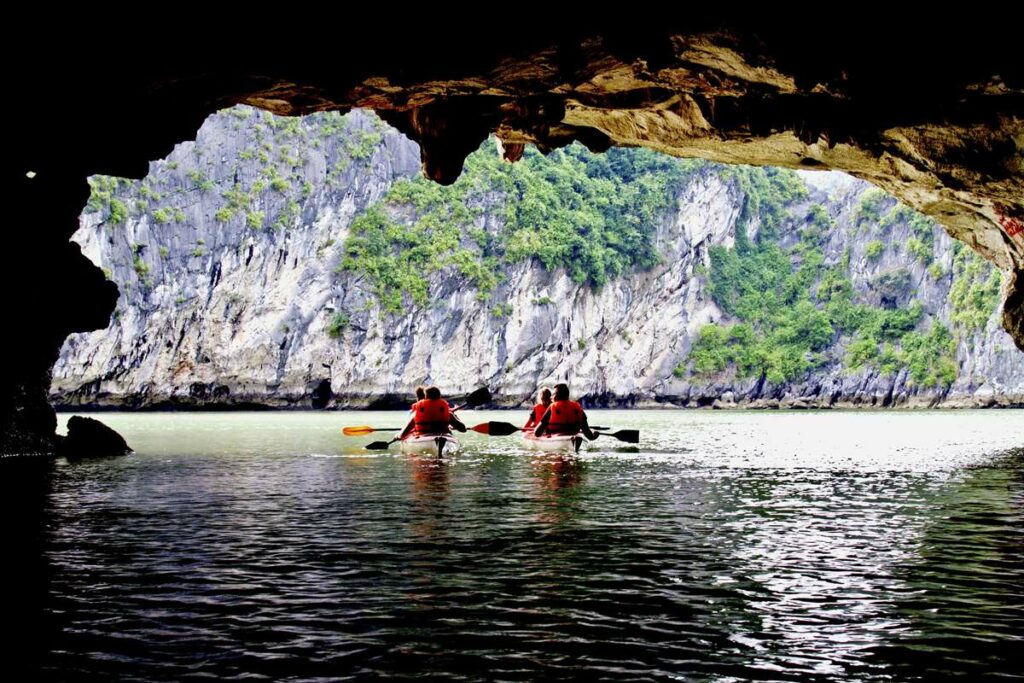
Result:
{"points": [[89, 438]]}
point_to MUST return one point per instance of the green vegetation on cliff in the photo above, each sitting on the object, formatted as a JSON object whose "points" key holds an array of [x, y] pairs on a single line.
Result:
{"points": [[593, 215], [792, 309]]}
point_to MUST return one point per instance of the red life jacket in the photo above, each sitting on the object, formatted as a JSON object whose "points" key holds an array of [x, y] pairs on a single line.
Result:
{"points": [[566, 417], [536, 415], [431, 416]]}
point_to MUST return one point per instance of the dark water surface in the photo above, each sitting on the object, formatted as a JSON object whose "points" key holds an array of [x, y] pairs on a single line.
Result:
{"points": [[740, 546]]}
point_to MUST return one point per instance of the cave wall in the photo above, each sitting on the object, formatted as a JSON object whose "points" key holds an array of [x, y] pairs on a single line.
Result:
{"points": [[932, 113]]}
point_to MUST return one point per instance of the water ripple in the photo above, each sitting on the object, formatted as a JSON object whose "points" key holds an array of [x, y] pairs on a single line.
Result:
{"points": [[724, 548]]}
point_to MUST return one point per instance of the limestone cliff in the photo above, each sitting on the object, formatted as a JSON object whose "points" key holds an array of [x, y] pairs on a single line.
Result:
{"points": [[227, 255]]}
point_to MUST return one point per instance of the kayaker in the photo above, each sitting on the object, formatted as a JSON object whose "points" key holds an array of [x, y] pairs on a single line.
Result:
{"points": [[433, 415], [421, 393], [564, 416], [543, 402]]}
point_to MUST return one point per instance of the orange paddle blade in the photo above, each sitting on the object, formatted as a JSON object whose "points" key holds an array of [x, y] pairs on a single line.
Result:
{"points": [[358, 431]]}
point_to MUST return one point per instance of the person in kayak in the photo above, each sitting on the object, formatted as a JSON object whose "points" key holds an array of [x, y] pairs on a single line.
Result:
{"points": [[543, 402], [432, 415], [421, 393], [564, 416]]}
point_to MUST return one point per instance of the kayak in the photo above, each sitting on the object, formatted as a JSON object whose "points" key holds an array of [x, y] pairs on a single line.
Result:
{"points": [[429, 444], [554, 442]]}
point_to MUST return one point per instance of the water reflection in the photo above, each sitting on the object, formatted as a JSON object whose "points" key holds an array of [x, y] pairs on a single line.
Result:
{"points": [[711, 553], [965, 584], [558, 477]]}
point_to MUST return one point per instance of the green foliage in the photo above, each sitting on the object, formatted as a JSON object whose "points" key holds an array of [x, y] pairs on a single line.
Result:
{"points": [[790, 307], [118, 212], [543, 301], [870, 208], [179, 216], [286, 218], [930, 357], [254, 219], [338, 323], [360, 144], [975, 294], [593, 215], [502, 310], [766, 192], [936, 271], [224, 214], [140, 266], [199, 251], [874, 249], [164, 252], [162, 215], [200, 181], [817, 225], [921, 250], [102, 188], [581, 344]]}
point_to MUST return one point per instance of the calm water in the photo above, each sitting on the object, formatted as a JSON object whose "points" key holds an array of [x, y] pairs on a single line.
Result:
{"points": [[726, 546]]}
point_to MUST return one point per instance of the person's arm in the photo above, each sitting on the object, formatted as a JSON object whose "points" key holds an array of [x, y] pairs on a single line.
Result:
{"points": [[539, 431], [408, 428], [457, 423], [587, 432], [530, 423]]}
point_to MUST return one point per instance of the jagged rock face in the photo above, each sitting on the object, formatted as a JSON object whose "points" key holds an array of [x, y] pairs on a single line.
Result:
{"points": [[935, 118], [224, 308]]}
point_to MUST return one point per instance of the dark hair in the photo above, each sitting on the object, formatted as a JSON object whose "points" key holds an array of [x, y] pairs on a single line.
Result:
{"points": [[421, 392], [561, 392], [545, 395], [433, 393]]}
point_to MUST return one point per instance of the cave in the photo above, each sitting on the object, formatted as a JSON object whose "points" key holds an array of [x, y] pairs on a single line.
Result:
{"points": [[934, 119]]}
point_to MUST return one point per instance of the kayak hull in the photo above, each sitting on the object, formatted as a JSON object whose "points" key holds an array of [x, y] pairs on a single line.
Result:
{"points": [[564, 443], [429, 444]]}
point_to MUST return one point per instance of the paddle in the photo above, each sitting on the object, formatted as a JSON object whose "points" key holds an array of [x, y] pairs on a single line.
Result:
{"points": [[477, 398], [507, 428], [380, 445], [363, 430], [496, 428], [627, 435]]}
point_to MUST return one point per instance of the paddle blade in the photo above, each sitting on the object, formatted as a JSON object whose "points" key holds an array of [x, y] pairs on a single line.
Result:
{"points": [[627, 435], [361, 430], [477, 398], [378, 446], [496, 428]]}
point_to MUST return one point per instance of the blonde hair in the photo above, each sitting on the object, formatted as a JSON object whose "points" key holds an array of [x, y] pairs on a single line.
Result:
{"points": [[544, 396]]}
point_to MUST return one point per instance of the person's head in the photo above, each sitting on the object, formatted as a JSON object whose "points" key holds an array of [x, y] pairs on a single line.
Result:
{"points": [[561, 392], [421, 392], [433, 393], [544, 397]]}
